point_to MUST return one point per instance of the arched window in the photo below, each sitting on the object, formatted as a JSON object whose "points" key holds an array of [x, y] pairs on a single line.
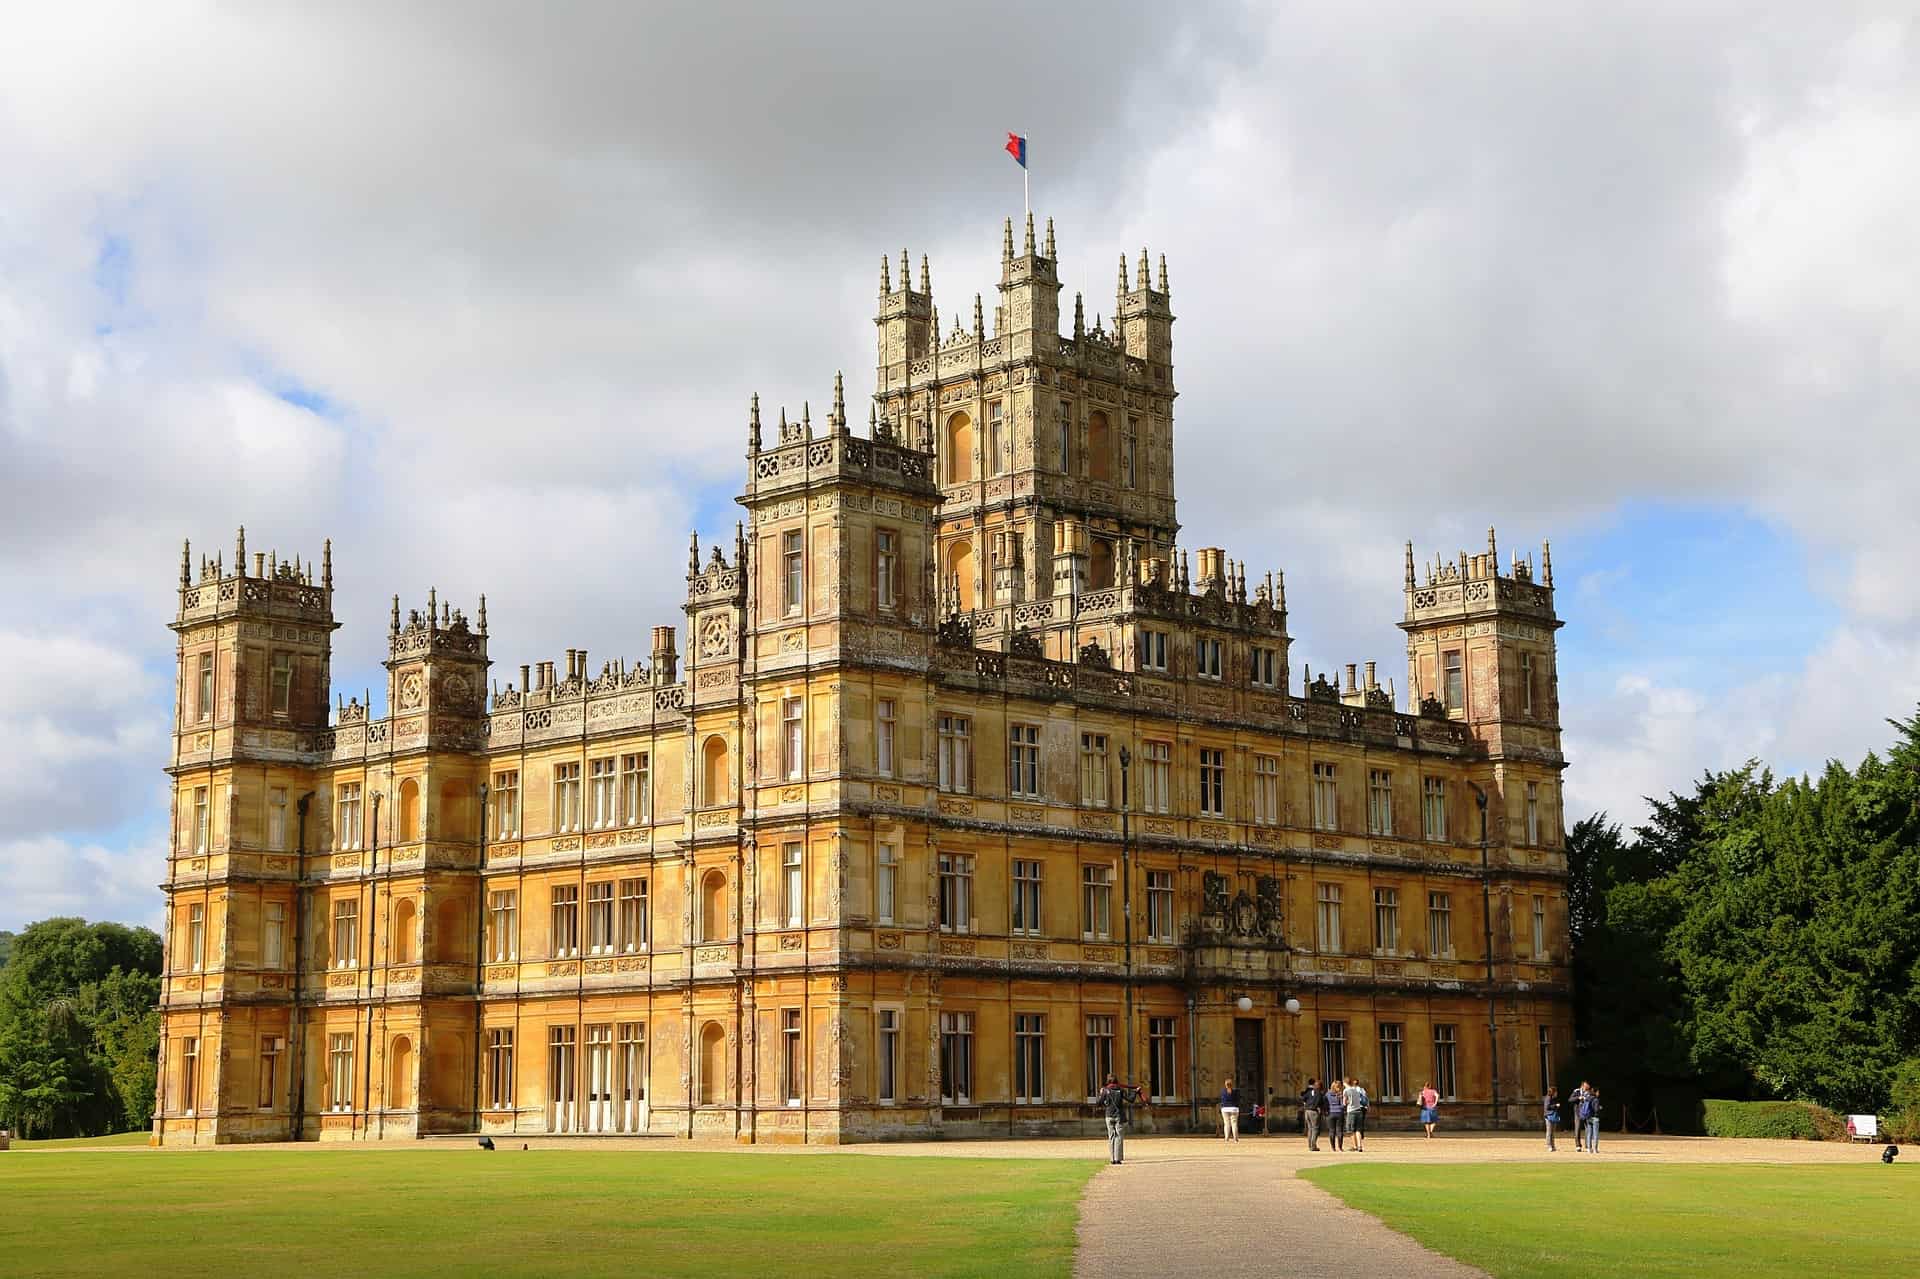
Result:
{"points": [[1099, 449], [713, 1064], [400, 1074], [409, 827], [1100, 564], [713, 907], [960, 572], [405, 931], [714, 788], [957, 444]]}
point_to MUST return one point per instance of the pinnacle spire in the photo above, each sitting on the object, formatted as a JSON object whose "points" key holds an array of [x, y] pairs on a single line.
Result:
{"points": [[393, 623], [1493, 552], [240, 551], [1163, 273], [753, 410], [838, 419], [926, 280], [483, 613], [1141, 279], [906, 271], [1546, 563], [1409, 564], [1049, 248], [326, 564], [693, 553], [1079, 317], [1029, 232], [886, 280], [806, 417], [1006, 241], [979, 325]]}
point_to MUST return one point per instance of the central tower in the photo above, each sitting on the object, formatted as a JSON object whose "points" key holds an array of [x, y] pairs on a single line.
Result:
{"points": [[1054, 453]]}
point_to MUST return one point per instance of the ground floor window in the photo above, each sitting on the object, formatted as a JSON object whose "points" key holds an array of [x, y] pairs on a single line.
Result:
{"points": [[1391, 1086], [630, 1088], [562, 1047], [956, 1059], [189, 1073], [500, 1069], [1029, 1051], [1099, 1051], [1333, 1050], [1445, 1043], [1162, 1082], [340, 1072], [888, 1084]]}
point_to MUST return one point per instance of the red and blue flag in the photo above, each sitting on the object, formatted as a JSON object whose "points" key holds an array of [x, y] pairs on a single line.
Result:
{"points": [[1017, 148]]}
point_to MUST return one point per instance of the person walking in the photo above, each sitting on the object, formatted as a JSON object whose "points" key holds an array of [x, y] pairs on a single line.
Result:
{"points": [[1229, 1112], [1593, 1121], [1336, 1114], [1551, 1112], [1115, 1100], [1310, 1107], [1429, 1108], [1578, 1104], [1356, 1099]]}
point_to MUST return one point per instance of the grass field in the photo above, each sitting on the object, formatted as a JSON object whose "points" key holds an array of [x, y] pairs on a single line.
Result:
{"points": [[85, 1143], [1582, 1219], [414, 1212]]}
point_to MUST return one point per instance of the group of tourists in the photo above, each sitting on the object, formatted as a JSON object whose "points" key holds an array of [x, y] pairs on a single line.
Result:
{"points": [[1585, 1107]]}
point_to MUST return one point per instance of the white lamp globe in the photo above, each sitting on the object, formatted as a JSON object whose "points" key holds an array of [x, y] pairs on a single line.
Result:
{"points": [[1244, 1004], [1293, 1006]]}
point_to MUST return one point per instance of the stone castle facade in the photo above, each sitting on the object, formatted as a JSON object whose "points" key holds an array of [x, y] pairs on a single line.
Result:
{"points": [[968, 788]]}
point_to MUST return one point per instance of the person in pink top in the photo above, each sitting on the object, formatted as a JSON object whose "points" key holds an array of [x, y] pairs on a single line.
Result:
{"points": [[1429, 1108]]}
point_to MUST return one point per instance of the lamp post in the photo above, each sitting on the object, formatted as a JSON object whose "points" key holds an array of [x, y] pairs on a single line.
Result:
{"points": [[1126, 897], [1486, 921]]}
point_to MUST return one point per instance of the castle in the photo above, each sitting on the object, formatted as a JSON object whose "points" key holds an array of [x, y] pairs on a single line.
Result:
{"points": [[968, 788]]}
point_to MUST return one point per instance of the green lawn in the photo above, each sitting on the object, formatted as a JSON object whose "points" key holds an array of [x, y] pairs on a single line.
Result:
{"points": [[427, 1212], [1587, 1218], [85, 1143]]}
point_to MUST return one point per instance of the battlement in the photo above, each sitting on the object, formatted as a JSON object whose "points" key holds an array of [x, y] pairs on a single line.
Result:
{"points": [[275, 587], [440, 629], [1474, 584], [800, 459]]}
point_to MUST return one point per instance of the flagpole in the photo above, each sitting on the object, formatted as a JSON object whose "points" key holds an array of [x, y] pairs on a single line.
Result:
{"points": [[1026, 191]]}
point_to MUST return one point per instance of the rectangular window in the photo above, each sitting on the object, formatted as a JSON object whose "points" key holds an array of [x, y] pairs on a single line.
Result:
{"points": [[203, 691], [886, 559], [1433, 807], [1266, 790], [282, 683], [1546, 1059], [1093, 770], [505, 798], [1333, 1050], [792, 1057], [883, 727], [956, 754], [888, 1085], [1453, 680], [1023, 761], [1160, 906], [1526, 683], [202, 821], [566, 798], [1096, 902], [793, 884], [1029, 1056], [630, 1065], [1099, 1051], [1163, 1082], [1266, 667], [1206, 658], [886, 880], [346, 933], [793, 739], [956, 1059], [1153, 650], [1063, 434], [1440, 925], [1386, 920], [1539, 927], [277, 819], [1392, 1083], [1213, 783], [197, 936], [190, 1073], [271, 1046], [1327, 917], [273, 934], [633, 915], [996, 438], [500, 1069], [603, 794], [793, 588], [1445, 1078], [565, 920], [1379, 802], [340, 1072], [600, 918], [503, 925], [636, 789], [599, 1078], [350, 825], [1326, 797], [1156, 777], [1533, 812], [1129, 472], [956, 892], [1026, 896], [561, 1080]]}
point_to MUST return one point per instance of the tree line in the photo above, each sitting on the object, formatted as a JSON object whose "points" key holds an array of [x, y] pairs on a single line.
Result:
{"points": [[79, 1028], [1755, 939]]}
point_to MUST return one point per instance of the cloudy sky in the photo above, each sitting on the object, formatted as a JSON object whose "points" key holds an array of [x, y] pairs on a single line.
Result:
{"points": [[480, 291]]}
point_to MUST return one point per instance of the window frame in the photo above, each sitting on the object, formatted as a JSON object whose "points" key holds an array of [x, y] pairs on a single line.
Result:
{"points": [[793, 572], [1023, 760]]}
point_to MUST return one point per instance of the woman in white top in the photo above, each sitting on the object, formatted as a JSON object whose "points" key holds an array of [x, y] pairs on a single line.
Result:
{"points": [[1229, 1112]]}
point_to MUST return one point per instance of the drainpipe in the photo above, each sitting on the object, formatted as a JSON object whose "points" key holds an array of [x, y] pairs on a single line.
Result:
{"points": [[1126, 899], [296, 1031], [373, 900], [1193, 1074], [479, 954], [1486, 921]]}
